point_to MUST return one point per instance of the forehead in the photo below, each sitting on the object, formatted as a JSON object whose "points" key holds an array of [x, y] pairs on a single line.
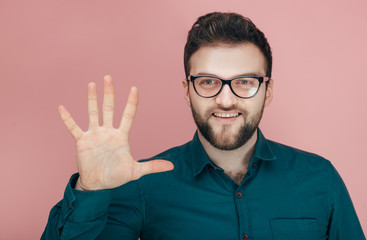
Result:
{"points": [[228, 60]]}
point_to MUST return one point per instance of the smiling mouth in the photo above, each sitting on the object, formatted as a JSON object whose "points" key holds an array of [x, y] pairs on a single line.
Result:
{"points": [[226, 115]]}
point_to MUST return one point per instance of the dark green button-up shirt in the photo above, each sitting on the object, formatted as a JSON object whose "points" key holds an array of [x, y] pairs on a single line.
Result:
{"points": [[286, 194]]}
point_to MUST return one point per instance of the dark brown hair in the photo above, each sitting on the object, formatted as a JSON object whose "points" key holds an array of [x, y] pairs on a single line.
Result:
{"points": [[228, 28]]}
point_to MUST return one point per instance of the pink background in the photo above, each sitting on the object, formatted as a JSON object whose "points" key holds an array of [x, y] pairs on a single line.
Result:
{"points": [[50, 50]]}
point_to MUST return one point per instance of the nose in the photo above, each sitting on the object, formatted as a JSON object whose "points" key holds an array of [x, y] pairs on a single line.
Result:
{"points": [[226, 98]]}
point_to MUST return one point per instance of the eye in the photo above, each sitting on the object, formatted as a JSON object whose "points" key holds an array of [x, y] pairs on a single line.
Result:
{"points": [[245, 82], [207, 81]]}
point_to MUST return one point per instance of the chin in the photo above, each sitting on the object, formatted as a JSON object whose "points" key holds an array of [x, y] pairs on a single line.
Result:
{"points": [[226, 136]]}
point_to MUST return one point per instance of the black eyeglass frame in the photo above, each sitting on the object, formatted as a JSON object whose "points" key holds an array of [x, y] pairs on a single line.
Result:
{"points": [[228, 82]]}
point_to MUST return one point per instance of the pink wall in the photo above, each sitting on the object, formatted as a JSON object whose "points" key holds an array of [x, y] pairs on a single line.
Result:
{"points": [[50, 50]]}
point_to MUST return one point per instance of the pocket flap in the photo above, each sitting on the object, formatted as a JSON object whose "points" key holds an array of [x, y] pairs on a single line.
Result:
{"points": [[293, 224]]}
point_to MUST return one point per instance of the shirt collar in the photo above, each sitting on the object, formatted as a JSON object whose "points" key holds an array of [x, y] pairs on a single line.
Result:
{"points": [[200, 158], [262, 148]]}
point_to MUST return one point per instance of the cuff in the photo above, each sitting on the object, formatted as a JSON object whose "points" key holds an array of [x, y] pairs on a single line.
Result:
{"points": [[81, 206]]}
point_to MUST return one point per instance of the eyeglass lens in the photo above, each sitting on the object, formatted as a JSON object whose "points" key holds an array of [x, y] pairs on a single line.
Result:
{"points": [[210, 86]]}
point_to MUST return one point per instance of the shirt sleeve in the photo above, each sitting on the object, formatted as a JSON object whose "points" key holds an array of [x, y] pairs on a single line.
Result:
{"points": [[96, 214], [344, 223]]}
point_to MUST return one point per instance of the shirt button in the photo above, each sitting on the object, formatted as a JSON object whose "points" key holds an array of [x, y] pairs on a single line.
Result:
{"points": [[254, 165], [245, 237], [239, 194], [69, 206], [211, 169]]}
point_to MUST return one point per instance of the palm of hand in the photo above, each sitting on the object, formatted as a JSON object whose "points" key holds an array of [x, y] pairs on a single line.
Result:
{"points": [[104, 158]]}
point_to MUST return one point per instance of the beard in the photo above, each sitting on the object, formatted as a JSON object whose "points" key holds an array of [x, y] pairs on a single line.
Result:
{"points": [[224, 140]]}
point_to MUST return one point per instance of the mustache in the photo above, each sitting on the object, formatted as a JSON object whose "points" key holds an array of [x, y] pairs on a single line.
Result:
{"points": [[229, 108]]}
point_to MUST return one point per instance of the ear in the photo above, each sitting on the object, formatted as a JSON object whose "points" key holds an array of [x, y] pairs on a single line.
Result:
{"points": [[185, 85], [269, 93]]}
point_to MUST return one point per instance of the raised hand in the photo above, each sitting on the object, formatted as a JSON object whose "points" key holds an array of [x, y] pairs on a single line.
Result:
{"points": [[104, 158]]}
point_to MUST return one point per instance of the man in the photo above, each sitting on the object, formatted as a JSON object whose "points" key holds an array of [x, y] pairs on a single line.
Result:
{"points": [[229, 182]]}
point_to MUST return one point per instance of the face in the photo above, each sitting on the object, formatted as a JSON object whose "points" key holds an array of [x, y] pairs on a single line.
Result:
{"points": [[226, 121]]}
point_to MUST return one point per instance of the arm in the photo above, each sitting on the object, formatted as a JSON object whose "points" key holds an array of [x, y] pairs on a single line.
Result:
{"points": [[344, 223], [106, 214], [105, 166], [79, 215]]}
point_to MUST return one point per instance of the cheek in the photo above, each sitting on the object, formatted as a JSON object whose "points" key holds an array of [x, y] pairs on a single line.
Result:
{"points": [[253, 105], [193, 98], [201, 105]]}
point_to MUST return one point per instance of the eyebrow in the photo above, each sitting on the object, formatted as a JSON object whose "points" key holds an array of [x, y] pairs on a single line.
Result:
{"points": [[243, 74]]}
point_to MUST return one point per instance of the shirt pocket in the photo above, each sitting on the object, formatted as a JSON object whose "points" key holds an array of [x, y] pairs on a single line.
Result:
{"points": [[294, 228]]}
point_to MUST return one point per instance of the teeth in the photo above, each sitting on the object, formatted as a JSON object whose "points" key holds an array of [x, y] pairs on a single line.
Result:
{"points": [[226, 114]]}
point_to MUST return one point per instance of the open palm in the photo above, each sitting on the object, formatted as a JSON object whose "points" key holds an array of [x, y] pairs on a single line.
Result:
{"points": [[104, 158]]}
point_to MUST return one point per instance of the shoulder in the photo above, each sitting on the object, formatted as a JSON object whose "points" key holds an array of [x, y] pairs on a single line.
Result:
{"points": [[309, 168], [292, 157]]}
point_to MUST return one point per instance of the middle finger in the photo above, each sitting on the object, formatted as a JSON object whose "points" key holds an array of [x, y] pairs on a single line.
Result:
{"points": [[108, 101], [92, 105]]}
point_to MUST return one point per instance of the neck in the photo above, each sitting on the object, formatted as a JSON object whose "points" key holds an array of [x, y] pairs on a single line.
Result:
{"points": [[234, 160]]}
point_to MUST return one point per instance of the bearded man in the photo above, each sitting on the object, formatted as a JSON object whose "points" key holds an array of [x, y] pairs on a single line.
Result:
{"points": [[229, 182]]}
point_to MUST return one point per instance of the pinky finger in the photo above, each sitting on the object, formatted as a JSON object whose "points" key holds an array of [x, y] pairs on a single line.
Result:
{"points": [[73, 128]]}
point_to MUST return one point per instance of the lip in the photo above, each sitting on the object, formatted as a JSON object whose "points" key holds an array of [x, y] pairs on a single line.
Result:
{"points": [[226, 119]]}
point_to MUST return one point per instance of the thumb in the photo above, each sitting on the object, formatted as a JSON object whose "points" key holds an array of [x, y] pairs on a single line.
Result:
{"points": [[153, 166]]}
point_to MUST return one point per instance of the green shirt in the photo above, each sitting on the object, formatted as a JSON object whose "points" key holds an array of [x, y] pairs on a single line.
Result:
{"points": [[286, 194]]}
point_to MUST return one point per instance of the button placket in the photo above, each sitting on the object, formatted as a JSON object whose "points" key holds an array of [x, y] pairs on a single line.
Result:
{"points": [[239, 194], [242, 211], [245, 236]]}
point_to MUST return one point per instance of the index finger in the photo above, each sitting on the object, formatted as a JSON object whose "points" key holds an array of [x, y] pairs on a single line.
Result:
{"points": [[73, 128], [129, 111]]}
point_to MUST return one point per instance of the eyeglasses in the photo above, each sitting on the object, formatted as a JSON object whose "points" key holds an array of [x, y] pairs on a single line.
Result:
{"points": [[208, 86]]}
